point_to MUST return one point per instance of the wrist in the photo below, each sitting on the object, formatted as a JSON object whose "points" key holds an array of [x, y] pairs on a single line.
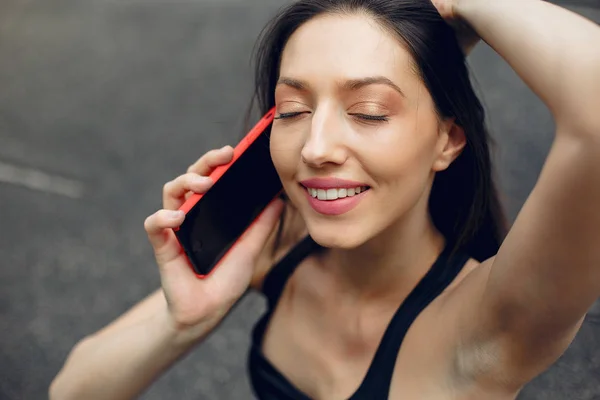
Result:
{"points": [[184, 335]]}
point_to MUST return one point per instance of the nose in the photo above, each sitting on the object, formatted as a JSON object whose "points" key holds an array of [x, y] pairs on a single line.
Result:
{"points": [[324, 144]]}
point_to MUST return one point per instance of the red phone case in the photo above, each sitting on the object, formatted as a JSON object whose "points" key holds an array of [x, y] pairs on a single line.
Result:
{"points": [[218, 172]]}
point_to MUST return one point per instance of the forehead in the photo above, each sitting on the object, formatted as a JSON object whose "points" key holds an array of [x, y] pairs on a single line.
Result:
{"points": [[350, 46]]}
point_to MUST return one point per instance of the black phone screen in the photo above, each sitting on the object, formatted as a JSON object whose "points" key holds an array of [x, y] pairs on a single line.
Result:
{"points": [[224, 213]]}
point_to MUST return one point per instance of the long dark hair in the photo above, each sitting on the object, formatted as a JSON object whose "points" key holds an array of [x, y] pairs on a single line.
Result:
{"points": [[464, 203]]}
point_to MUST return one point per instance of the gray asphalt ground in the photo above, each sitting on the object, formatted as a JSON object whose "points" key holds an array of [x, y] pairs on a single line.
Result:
{"points": [[101, 102]]}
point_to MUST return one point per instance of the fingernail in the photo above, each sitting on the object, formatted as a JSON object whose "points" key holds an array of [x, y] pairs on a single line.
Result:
{"points": [[200, 180], [176, 214]]}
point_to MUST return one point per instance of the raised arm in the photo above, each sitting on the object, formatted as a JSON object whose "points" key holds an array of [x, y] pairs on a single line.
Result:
{"points": [[555, 51], [546, 276]]}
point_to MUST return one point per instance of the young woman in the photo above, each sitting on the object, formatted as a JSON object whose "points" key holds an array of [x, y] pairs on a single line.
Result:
{"points": [[389, 275]]}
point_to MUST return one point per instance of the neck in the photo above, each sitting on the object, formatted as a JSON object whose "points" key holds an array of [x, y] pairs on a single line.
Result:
{"points": [[391, 263]]}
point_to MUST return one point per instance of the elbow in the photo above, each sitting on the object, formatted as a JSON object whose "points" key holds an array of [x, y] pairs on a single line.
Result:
{"points": [[57, 390], [65, 386]]}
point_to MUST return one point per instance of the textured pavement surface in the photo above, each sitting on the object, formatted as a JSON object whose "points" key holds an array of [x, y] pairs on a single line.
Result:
{"points": [[109, 100]]}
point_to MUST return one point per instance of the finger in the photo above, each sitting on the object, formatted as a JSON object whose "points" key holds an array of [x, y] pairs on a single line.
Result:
{"points": [[445, 8], [211, 160], [159, 227], [174, 191]]}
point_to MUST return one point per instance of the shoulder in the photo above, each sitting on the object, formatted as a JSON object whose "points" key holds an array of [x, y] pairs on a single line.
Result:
{"points": [[285, 235]]}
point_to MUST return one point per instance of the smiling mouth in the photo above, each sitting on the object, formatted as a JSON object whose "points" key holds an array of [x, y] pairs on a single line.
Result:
{"points": [[335, 194]]}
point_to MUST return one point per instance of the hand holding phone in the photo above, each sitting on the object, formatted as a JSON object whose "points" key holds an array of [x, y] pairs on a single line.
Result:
{"points": [[241, 190], [191, 300]]}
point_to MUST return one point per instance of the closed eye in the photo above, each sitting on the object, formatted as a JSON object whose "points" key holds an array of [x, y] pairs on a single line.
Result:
{"points": [[290, 115], [368, 117], [365, 117]]}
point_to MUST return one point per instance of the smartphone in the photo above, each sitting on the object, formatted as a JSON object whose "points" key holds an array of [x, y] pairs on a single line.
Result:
{"points": [[242, 189]]}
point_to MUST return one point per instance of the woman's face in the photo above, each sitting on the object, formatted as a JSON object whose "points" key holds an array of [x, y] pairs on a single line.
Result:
{"points": [[357, 140]]}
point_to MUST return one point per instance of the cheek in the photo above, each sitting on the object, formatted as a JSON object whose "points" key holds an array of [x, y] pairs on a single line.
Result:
{"points": [[406, 155], [285, 153]]}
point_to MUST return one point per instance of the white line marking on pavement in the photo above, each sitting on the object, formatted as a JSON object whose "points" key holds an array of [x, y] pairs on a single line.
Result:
{"points": [[39, 180]]}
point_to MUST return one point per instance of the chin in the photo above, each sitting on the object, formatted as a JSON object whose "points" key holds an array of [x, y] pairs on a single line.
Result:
{"points": [[335, 236]]}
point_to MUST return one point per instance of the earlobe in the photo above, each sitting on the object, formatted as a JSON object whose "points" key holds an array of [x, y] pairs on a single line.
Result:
{"points": [[452, 142]]}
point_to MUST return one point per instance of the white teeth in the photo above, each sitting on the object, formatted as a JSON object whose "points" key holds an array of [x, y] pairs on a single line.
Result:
{"points": [[334, 194]]}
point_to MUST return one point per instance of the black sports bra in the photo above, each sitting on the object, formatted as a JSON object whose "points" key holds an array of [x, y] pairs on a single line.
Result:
{"points": [[269, 384]]}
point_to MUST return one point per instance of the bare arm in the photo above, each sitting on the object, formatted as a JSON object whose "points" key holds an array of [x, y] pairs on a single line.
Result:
{"points": [[555, 52], [144, 335], [547, 272], [123, 359]]}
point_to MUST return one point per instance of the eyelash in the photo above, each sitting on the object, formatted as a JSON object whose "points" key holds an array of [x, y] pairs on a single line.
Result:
{"points": [[371, 118], [365, 117], [288, 115]]}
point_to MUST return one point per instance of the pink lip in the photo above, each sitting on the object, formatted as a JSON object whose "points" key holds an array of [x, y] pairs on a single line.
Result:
{"points": [[330, 183], [335, 207]]}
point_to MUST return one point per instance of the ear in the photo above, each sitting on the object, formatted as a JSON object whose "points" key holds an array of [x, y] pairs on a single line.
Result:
{"points": [[451, 142]]}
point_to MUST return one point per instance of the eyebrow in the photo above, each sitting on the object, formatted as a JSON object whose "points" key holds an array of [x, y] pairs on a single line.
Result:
{"points": [[349, 85]]}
